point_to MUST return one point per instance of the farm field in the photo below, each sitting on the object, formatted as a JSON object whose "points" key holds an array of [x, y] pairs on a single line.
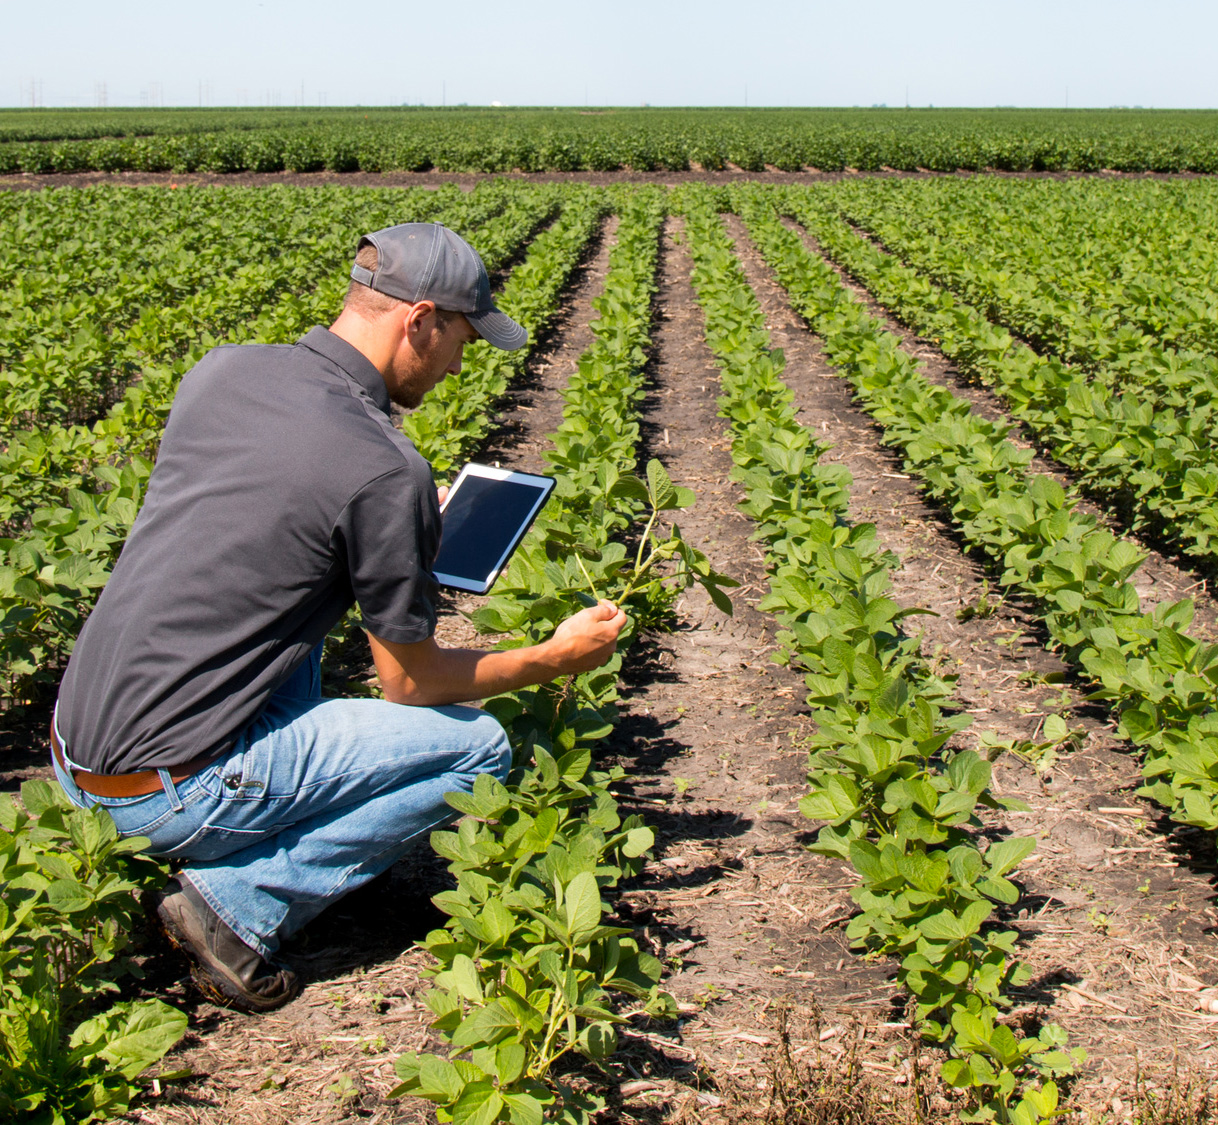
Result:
{"points": [[929, 820], [603, 139]]}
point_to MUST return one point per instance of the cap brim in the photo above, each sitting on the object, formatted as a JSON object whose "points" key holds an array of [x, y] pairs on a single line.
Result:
{"points": [[498, 330]]}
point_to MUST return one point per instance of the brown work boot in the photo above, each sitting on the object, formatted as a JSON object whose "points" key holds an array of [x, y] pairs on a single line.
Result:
{"points": [[225, 969]]}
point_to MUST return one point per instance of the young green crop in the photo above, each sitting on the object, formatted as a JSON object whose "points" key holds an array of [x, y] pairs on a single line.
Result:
{"points": [[1162, 682], [69, 1054], [897, 805]]}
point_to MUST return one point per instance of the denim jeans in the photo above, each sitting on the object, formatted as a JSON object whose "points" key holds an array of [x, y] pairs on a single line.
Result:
{"points": [[317, 797]]}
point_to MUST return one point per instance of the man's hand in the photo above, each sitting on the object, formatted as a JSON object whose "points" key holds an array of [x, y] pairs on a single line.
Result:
{"points": [[425, 674], [588, 639]]}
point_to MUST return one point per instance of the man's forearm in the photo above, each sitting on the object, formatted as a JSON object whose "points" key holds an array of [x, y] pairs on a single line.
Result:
{"points": [[459, 675], [425, 674]]}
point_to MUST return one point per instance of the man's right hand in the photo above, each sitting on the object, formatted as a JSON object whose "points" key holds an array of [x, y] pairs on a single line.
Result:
{"points": [[587, 639]]}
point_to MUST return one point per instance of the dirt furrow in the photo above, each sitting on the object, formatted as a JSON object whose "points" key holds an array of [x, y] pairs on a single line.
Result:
{"points": [[1112, 901], [743, 916]]}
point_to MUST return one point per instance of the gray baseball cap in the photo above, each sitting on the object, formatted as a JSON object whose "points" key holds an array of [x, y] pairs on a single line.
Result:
{"points": [[428, 262]]}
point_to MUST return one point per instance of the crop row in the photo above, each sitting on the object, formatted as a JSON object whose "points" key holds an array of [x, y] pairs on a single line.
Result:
{"points": [[61, 242], [526, 963], [40, 466], [899, 807], [534, 141], [1162, 682], [62, 358], [1089, 270], [69, 368], [1150, 456]]}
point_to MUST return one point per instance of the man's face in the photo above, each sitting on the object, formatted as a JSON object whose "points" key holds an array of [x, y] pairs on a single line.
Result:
{"points": [[425, 358]]}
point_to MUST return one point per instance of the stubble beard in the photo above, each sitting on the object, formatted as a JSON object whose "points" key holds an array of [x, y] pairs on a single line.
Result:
{"points": [[411, 385], [408, 398]]}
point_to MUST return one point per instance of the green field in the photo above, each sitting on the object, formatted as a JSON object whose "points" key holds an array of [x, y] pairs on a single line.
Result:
{"points": [[464, 139], [1087, 308]]}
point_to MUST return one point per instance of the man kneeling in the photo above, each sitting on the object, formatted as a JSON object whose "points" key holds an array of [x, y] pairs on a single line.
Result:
{"points": [[282, 495]]}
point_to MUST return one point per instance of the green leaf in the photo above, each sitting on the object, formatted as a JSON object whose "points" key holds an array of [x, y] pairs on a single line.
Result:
{"points": [[407, 1067], [67, 896], [582, 903], [498, 922], [465, 977], [638, 841], [597, 1040], [134, 1035], [479, 1104], [1007, 854], [955, 1072], [662, 493], [923, 872], [510, 1059], [487, 1025], [943, 925], [525, 1109]]}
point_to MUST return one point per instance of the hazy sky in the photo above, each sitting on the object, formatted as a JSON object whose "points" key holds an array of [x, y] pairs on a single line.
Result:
{"points": [[540, 52]]}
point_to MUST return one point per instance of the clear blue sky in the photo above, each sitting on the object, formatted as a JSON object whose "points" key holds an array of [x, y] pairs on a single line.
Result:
{"points": [[541, 52]]}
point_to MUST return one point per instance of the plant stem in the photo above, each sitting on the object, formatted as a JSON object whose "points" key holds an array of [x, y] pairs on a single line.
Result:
{"points": [[587, 577]]}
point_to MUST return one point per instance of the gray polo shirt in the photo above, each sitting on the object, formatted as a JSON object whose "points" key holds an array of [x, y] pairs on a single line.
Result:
{"points": [[282, 495]]}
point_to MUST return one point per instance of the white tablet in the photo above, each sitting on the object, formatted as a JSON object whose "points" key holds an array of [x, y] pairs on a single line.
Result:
{"points": [[486, 513]]}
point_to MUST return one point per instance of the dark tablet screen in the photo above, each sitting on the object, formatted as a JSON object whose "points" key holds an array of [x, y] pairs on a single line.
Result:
{"points": [[484, 519]]}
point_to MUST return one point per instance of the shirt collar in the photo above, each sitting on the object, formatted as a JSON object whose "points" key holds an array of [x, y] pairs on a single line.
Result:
{"points": [[351, 360]]}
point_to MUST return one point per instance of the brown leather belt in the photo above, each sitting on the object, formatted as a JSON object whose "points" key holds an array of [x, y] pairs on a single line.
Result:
{"points": [[137, 784]]}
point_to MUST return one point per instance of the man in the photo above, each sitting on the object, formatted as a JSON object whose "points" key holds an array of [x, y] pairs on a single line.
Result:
{"points": [[283, 494]]}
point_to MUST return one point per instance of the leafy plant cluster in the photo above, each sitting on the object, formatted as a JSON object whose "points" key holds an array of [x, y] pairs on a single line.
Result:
{"points": [[70, 1053], [79, 320], [1162, 682], [1133, 418], [83, 486], [461, 139], [1090, 269], [898, 807], [526, 963]]}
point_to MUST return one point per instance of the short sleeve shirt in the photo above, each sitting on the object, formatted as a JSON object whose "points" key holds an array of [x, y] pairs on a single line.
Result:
{"points": [[282, 495]]}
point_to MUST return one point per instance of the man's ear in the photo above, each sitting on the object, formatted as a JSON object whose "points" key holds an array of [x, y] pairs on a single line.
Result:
{"points": [[416, 316]]}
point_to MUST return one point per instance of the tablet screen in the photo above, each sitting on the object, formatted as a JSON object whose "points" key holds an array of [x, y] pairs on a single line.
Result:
{"points": [[485, 516]]}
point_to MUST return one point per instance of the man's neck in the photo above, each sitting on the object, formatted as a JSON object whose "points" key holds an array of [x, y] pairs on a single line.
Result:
{"points": [[370, 338]]}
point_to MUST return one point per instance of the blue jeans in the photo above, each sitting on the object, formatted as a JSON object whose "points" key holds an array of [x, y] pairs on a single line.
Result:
{"points": [[317, 797]]}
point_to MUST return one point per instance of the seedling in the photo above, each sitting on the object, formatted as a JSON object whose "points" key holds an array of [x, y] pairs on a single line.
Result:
{"points": [[982, 607], [1041, 754]]}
